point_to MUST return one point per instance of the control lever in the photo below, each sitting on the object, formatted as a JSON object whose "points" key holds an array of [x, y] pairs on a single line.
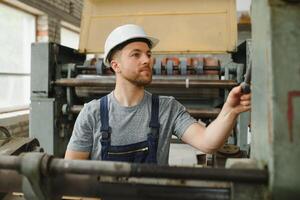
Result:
{"points": [[246, 84]]}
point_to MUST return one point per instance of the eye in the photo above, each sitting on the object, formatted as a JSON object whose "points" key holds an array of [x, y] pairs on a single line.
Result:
{"points": [[136, 55], [149, 55]]}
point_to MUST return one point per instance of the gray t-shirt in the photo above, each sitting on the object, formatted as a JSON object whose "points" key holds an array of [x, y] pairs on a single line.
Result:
{"points": [[129, 125]]}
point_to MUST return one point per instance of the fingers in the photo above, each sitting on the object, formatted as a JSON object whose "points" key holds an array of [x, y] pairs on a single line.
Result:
{"points": [[245, 103], [236, 91], [246, 108], [245, 100], [237, 99], [245, 97], [242, 108]]}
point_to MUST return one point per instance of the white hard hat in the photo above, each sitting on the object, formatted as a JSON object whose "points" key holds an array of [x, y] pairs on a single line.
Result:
{"points": [[122, 34]]}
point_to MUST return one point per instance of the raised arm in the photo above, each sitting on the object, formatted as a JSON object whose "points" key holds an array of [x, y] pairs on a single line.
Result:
{"points": [[210, 139]]}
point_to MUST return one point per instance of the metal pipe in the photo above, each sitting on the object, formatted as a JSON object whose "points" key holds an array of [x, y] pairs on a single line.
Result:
{"points": [[132, 181], [166, 83], [59, 166], [75, 109], [182, 94], [163, 67], [119, 169], [94, 186], [204, 113], [10, 181], [10, 162]]}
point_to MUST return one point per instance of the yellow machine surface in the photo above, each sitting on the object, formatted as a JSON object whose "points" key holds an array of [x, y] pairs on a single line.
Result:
{"points": [[182, 26]]}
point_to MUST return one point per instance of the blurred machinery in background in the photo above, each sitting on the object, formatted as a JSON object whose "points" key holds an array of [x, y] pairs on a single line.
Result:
{"points": [[10, 145], [199, 83], [192, 63]]}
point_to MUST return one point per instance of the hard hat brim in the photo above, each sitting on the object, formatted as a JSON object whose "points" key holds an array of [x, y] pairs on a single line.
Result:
{"points": [[153, 41]]}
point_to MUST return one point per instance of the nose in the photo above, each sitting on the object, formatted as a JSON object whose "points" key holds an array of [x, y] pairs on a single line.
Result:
{"points": [[146, 59]]}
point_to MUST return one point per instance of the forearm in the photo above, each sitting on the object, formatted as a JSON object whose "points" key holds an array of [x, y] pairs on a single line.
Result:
{"points": [[219, 130], [76, 155], [211, 138]]}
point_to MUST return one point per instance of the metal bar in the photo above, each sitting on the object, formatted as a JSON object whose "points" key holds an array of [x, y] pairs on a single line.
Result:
{"points": [[132, 181], [93, 186], [120, 169], [86, 68], [200, 174], [192, 68], [186, 83], [10, 181], [204, 113], [90, 186], [14, 74], [76, 109], [192, 83], [58, 166], [175, 67], [14, 109], [183, 94], [10, 162]]}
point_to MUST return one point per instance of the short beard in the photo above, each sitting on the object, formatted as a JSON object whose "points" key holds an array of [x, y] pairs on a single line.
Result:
{"points": [[140, 82]]}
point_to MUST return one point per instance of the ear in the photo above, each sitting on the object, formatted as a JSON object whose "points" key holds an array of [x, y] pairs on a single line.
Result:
{"points": [[115, 66]]}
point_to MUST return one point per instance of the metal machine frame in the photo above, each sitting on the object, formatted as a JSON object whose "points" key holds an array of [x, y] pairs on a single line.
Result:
{"points": [[71, 81]]}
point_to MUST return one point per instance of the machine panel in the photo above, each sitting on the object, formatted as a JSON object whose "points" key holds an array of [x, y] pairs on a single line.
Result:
{"points": [[197, 26]]}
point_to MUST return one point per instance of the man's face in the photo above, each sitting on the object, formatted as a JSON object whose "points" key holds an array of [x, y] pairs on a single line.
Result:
{"points": [[135, 63]]}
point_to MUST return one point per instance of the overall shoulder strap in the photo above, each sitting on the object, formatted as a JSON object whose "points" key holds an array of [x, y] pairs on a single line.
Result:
{"points": [[154, 122], [104, 114]]}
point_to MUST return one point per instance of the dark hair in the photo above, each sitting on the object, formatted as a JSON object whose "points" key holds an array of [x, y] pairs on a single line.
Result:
{"points": [[119, 47]]}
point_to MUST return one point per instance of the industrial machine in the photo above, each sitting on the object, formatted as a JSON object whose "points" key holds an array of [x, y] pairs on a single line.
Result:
{"points": [[63, 80], [199, 76], [72, 81], [10, 145]]}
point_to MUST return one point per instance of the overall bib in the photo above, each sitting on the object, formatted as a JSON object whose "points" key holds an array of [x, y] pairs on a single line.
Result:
{"points": [[141, 152]]}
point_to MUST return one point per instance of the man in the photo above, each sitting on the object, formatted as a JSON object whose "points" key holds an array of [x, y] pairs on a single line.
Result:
{"points": [[132, 125]]}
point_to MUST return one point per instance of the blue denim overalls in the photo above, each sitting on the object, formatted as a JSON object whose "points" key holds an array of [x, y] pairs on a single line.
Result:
{"points": [[141, 152]]}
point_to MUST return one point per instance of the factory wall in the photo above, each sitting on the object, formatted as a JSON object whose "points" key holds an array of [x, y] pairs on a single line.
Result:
{"points": [[55, 11], [51, 16]]}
